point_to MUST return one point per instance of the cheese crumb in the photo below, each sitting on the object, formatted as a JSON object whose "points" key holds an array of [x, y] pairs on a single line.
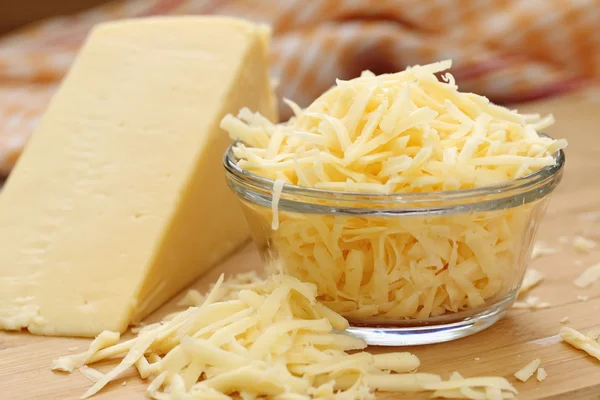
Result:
{"points": [[528, 370], [564, 320], [583, 298], [477, 358], [583, 245], [563, 239], [580, 341], [531, 303], [541, 249], [531, 279], [541, 374], [590, 276], [124, 383]]}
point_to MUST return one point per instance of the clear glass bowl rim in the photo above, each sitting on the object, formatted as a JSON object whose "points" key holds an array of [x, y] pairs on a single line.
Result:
{"points": [[507, 194]]}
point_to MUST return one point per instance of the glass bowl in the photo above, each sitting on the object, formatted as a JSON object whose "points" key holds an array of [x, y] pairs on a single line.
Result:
{"points": [[404, 269]]}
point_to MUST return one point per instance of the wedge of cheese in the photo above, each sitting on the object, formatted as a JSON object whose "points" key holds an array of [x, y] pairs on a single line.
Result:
{"points": [[119, 200]]}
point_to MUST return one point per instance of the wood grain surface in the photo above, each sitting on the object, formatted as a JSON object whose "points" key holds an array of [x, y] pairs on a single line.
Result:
{"points": [[500, 350]]}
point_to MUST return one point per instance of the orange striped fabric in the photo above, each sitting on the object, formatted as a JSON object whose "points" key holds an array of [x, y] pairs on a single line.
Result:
{"points": [[508, 50]]}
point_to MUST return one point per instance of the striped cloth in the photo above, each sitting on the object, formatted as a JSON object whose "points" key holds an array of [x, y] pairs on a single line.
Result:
{"points": [[508, 50]]}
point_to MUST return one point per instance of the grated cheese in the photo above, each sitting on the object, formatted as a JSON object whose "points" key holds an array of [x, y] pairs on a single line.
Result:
{"points": [[405, 132], [531, 303], [590, 276], [267, 338], [531, 279], [580, 341], [277, 189], [583, 245], [528, 370], [541, 249], [70, 363], [541, 374], [91, 373], [472, 388]]}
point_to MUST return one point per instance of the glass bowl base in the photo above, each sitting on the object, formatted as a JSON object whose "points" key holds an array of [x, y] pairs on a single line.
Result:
{"points": [[432, 333]]}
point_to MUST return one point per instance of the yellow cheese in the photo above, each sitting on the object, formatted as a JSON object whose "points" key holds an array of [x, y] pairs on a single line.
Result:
{"points": [[541, 374], [588, 277], [583, 245], [580, 341], [118, 201], [528, 370], [268, 339], [532, 303], [531, 279], [405, 132], [541, 249]]}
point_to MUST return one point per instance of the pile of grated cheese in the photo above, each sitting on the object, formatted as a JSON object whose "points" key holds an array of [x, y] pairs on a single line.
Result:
{"points": [[395, 133], [264, 339], [398, 133]]}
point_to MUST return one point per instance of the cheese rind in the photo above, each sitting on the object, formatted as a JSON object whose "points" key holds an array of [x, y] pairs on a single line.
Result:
{"points": [[117, 202]]}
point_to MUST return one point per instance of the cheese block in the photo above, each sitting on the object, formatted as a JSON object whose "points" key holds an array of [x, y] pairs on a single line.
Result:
{"points": [[119, 201]]}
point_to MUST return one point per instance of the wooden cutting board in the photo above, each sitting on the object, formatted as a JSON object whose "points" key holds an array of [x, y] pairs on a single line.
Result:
{"points": [[500, 350]]}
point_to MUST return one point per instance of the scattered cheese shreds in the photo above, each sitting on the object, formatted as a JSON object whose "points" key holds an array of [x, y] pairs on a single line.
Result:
{"points": [[474, 388], [583, 245], [541, 374], [580, 341], [532, 278], [541, 249], [268, 338], [583, 298], [588, 277], [70, 363], [531, 303], [528, 370], [564, 320], [91, 373], [405, 132]]}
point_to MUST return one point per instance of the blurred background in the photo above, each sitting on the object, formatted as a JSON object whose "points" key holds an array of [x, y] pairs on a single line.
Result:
{"points": [[512, 51]]}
